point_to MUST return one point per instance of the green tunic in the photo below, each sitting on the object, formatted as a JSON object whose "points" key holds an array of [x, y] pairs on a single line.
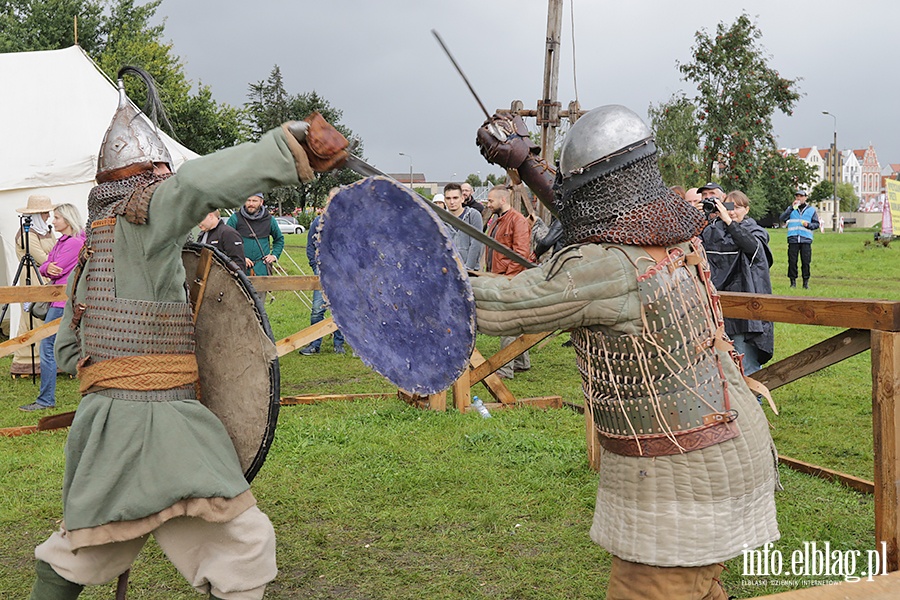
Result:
{"points": [[126, 460]]}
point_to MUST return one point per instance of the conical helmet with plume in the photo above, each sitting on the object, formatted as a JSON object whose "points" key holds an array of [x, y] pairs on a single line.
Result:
{"points": [[132, 144]]}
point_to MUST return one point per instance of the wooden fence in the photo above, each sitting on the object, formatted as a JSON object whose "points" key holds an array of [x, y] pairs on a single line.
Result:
{"points": [[866, 324]]}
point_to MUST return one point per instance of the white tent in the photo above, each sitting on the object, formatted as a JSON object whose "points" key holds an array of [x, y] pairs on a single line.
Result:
{"points": [[55, 107]]}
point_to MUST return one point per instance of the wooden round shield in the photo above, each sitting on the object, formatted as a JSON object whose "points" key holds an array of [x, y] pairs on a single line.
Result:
{"points": [[396, 287], [239, 378]]}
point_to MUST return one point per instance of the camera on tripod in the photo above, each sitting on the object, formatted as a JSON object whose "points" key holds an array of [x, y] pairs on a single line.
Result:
{"points": [[709, 206]]}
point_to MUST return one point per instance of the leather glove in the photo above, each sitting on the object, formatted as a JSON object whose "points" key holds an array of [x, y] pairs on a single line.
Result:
{"points": [[503, 140], [325, 146]]}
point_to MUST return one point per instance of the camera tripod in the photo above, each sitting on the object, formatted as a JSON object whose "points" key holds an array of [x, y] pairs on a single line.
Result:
{"points": [[29, 265]]}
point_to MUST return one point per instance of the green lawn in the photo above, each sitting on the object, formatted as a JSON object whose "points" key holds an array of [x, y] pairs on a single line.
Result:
{"points": [[373, 499]]}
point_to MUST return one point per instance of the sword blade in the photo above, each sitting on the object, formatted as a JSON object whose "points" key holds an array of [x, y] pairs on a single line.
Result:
{"points": [[363, 168]]}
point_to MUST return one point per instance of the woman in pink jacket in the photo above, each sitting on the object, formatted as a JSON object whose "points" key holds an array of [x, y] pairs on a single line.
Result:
{"points": [[60, 262]]}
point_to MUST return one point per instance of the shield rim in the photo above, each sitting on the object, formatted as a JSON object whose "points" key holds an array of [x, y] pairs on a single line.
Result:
{"points": [[324, 278], [274, 369]]}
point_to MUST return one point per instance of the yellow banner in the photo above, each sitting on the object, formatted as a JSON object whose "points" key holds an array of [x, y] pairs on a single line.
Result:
{"points": [[893, 198]]}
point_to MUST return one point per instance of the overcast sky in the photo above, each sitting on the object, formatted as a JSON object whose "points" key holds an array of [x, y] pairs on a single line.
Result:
{"points": [[378, 62]]}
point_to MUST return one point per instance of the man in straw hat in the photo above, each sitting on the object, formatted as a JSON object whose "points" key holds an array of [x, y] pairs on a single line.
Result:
{"points": [[38, 243], [143, 454]]}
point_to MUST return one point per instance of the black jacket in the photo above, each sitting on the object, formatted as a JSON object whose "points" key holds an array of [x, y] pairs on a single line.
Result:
{"points": [[226, 240], [739, 261]]}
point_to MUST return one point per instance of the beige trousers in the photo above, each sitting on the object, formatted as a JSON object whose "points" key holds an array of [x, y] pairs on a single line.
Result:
{"points": [[232, 561], [636, 581]]}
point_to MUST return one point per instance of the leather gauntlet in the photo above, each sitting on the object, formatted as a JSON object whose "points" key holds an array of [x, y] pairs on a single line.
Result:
{"points": [[503, 140], [326, 147]]}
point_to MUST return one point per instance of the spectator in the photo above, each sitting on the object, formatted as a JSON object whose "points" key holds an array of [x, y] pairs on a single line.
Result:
{"points": [[220, 236], [469, 201], [710, 190], [256, 226], [439, 200], [739, 260], [693, 196], [60, 262], [469, 249], [513, 231], [318, 304], [678, 190], [802, 219], [40, 242]]}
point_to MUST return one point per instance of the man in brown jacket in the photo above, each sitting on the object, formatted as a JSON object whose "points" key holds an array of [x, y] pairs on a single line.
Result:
{"points": [[512, 230]]}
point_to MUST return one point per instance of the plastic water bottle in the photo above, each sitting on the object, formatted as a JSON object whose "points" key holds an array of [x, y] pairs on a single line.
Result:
{"points": [[481, 408]]}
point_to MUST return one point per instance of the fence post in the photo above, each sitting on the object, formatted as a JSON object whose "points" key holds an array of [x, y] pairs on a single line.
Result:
{"points": [[885, 429]]}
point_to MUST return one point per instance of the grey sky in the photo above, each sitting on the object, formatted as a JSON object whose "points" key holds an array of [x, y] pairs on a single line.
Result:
{"points": [[378, 62]]}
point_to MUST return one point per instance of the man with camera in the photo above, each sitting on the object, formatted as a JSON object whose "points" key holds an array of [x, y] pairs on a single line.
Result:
{"points": [[737, 249], [709, 193]]}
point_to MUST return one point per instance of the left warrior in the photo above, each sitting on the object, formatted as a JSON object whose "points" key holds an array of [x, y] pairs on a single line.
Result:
{"points": [[143, 454]]}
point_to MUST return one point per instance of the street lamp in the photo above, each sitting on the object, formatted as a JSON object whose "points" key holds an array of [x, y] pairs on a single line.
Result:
{"points": [[410, 168], [834, 198]]}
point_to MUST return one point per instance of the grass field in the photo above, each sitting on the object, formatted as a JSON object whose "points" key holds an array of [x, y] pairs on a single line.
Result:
{"points": [[373, 499]]}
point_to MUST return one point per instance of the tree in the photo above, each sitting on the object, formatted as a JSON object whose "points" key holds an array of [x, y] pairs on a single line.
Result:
{"points": [[849, 199], [474, 180], [30, 25], [678, 141], [206, 125], [198, 121], [269, 106], [822, 191], [774, 187], [738, 92], [494, 179]]}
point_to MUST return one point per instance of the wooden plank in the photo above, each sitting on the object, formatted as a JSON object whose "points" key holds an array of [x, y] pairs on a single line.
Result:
{"points": [[32, 293], [197, 287], [885, 430], [462, 391], [882, 587], [592, 439], [834, 312], [304, 337], [544, 402], [541, 402], [490, 365], [860, 485], [492, 382], [824, 354], [314, 398], [30, 337], [286, 283], [17, 431], [438, 401]]}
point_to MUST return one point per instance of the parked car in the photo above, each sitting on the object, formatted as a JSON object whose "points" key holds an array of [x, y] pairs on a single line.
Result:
{"points": [[289, 225]]}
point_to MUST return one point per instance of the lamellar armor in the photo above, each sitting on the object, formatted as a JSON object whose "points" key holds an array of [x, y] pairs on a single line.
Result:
{"points": [[150, 343], [660, 392]]}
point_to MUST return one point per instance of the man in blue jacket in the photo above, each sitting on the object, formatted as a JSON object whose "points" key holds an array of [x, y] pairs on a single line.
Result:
{"points": [[318, 304], [802, 220]]}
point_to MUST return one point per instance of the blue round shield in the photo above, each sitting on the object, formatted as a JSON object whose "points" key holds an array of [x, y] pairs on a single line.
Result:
{"points": [[396, 287]]}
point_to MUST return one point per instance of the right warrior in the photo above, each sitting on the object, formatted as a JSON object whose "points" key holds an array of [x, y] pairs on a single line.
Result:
{"points": [[687, 467]]}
